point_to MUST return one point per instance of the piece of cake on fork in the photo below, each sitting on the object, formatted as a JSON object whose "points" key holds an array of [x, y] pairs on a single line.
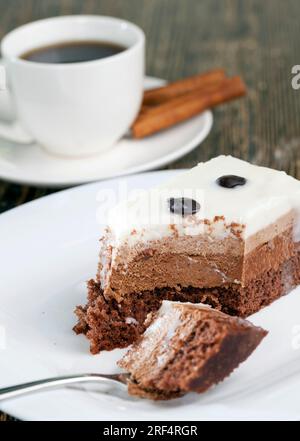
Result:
{"points": [[225, 233], [187, 347]]}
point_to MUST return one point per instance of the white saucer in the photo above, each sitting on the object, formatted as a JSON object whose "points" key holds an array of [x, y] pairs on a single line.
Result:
{"points": [[49, 248], [33, 166]]}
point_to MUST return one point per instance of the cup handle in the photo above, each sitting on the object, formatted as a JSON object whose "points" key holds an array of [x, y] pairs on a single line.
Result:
{"points": [[10, 128]]}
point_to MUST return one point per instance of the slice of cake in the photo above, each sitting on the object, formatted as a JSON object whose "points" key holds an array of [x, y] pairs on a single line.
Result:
{"points": [[187, 347], [226, 233]]}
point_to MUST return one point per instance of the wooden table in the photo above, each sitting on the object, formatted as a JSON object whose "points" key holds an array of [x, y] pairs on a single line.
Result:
{"points": [[259, 40]]}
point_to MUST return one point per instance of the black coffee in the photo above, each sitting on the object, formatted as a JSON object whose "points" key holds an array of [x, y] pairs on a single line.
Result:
{"points": [[73, 52]]}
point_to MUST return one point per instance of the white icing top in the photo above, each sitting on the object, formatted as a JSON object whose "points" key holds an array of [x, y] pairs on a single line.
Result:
{"points": [[266, 196]]}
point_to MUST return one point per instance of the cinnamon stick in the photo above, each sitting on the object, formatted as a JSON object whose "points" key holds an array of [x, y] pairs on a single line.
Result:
{"points": [[177, 88], [184, 107]]}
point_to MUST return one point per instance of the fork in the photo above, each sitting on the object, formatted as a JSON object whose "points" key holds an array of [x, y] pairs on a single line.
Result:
{"points": [[119, 380]]}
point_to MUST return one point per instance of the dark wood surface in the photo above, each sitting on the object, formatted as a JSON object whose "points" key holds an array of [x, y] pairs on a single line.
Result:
{"points": [[259, 40]]}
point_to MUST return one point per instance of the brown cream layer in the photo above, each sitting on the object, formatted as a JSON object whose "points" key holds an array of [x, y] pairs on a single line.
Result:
{"points": [[196, 261]]}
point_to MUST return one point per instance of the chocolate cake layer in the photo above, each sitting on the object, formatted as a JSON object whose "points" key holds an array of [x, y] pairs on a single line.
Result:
{"points": [[187, 348], [196, 261], [152, 394], [109, 324]]}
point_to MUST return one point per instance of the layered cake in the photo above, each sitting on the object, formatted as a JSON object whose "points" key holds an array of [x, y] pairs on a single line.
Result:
{"points": [[226, 233], [187, 348]]}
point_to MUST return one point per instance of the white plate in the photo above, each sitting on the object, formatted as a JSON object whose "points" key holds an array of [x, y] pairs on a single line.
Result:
{"points": [[48, 250], [34, 166]]}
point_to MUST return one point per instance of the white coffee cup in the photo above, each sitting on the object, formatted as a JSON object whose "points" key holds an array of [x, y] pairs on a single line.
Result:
{"points": [[74, 109]]}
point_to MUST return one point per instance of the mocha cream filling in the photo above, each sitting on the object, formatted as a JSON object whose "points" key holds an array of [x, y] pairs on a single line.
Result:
{"points": [[200, 261]]}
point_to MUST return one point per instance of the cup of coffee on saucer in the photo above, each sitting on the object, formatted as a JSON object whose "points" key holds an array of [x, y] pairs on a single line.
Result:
{"points": [[76, 82]]}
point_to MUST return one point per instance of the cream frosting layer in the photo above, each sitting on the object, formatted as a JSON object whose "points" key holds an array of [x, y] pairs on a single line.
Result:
{"points": [[244, 210], [167, 324]]}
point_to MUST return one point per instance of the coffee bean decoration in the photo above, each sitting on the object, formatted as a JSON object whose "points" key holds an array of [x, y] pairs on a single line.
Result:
{"points": [[183, 206], [231, 181]]}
